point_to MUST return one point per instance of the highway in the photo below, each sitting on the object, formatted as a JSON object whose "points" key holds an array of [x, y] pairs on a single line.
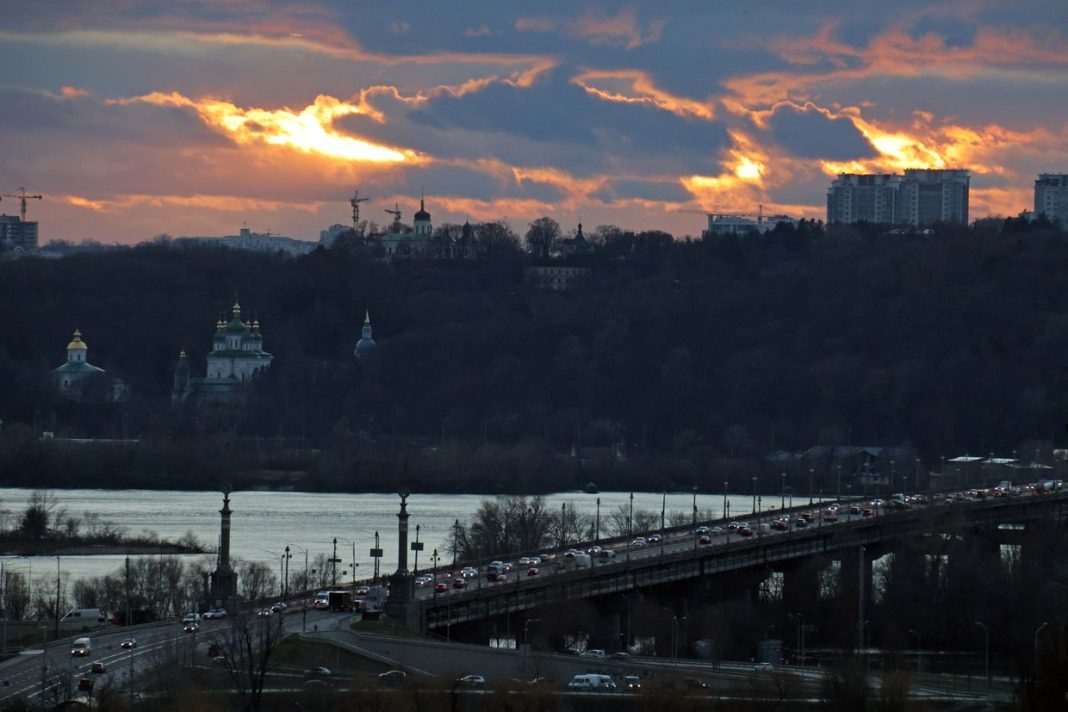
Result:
{"points": [[52, 670]]}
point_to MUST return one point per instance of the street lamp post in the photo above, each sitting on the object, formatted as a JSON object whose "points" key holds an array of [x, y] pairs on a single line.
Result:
{"points": [[1038, 632], [630, 526], [986, 636], [334, 561], [434, 583], [811, 471], [285, 583], [754, 494], [782, 499], [725, 512], [3, 597], [597, 523], [417, 546], [919, 653]]}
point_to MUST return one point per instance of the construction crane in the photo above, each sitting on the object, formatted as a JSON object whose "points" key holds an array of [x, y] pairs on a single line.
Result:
{"points": [[22, 199], [355, 203], [396, 213]]}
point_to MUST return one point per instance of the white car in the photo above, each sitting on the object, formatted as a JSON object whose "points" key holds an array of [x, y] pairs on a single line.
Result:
{"points": [[639, 541], [594, 653], [214, 614]]}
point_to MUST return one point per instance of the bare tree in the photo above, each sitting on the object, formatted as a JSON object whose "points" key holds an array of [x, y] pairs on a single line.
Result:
{"points": [[257, 580], [247, 653]]}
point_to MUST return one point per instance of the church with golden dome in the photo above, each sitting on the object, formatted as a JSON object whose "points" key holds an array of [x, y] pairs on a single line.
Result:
{"points": [[71, 377], [237, 355]]}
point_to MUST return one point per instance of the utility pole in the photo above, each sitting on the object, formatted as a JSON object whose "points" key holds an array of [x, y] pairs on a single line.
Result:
{"points": [[860, 599], [334, 561]]}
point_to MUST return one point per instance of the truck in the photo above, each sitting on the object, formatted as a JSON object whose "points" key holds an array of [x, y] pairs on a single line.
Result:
{"points": [[81, 647], [340, 600]]}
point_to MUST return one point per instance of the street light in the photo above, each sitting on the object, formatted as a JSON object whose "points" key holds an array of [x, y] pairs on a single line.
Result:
{"points": [[301, 548], [810, 473], [754, 494], [3, 595], [285, 583], [725, 511], [1038, 632], [986, 635], [919, 653], [782, 500]]}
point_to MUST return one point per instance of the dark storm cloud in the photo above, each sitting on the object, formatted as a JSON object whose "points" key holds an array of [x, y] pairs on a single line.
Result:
{"points": [[809, 133], [643, 190]]}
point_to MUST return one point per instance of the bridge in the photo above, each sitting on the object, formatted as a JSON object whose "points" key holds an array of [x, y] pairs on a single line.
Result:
{"points": [[854, 541]]}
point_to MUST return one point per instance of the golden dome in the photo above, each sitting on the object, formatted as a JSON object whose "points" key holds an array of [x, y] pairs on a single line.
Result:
{"points": [[76, 342]]}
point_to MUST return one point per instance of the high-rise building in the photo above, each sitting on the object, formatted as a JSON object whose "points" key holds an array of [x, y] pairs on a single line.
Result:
{"points": [[16, 235], [928, 196], [1051, 196], [863, 198], [919, 198]]}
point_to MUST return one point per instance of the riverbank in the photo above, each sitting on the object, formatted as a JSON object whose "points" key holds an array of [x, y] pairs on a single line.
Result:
{"points": [[69, 548]]}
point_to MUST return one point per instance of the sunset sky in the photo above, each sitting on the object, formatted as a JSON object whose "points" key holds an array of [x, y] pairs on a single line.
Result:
{"points": [[189, 117]]}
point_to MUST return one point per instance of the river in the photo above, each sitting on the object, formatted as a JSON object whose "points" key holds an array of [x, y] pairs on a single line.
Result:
{"points": [[265, 522]]}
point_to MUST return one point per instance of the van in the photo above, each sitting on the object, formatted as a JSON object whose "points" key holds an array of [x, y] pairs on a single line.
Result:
{"points": [[81, 647], [84, 615], [591, 681]]}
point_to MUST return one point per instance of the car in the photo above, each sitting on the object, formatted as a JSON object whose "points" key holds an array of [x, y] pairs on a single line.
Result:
{"points": [[808, 516], [639, 541], [854, 509], [441, 587], [279, 607], [532, 571], [655, 538], [830, 516], [745, 531], [800, 523], [781, 524], [316, 682], [128, 644], [696, 683], [716, 530], [734, 526], [317, 671], [620, 656], [867, 513], [501, 578], [99, 668], [765, 666], [215, 614], [701, 530], [393, 677], [471, 681], [594, 653], [524, 561], [190, 618], [191, 628], [632, 682], [704, 540], [361, 591], [423, 581], [469, 572], [535, 560], [219, 661], [459, 583], [264, 613]]}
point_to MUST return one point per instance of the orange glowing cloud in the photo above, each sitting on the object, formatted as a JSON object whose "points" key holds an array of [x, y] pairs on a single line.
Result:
{"points": [[742, 181], [640, 89], [73, 92], [224, 203], [310, 130]]}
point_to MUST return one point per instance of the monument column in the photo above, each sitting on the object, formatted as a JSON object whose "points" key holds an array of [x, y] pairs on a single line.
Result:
{"points": [[402, 605]]}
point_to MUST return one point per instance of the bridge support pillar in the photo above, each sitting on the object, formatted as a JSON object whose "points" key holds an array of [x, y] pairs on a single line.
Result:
{"points": [[800, 585], [855, 585]]}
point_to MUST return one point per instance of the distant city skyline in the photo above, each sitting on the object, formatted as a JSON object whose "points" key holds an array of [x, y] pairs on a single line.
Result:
{"points": [[138, 120]]}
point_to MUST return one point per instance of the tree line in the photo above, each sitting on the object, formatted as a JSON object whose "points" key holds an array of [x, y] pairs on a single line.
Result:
{"points": [[680, 362]]}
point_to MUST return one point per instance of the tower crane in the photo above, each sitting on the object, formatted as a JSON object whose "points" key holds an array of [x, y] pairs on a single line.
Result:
{"points": [[22, 199], [355, 203], [396, 213]]}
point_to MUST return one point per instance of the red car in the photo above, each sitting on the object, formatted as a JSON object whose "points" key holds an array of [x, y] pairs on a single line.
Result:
{"points": [[441, 587], [459, 583], [745, 531], [533, 571]]}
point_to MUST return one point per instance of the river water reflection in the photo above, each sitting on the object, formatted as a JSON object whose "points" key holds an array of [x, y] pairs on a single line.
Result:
{"points": [[265, 522]]}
